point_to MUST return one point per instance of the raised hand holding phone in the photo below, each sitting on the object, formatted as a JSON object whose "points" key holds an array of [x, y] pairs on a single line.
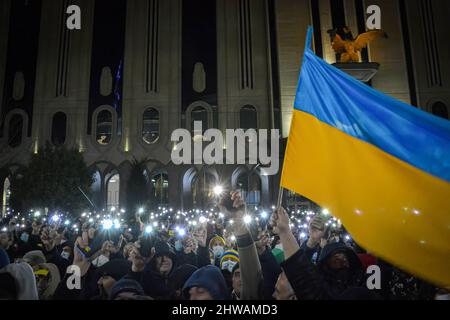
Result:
{"points": [[237, 213]]}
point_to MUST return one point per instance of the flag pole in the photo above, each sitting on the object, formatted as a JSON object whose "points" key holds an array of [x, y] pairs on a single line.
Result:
{"points": [[308, 46], [280, 197]]}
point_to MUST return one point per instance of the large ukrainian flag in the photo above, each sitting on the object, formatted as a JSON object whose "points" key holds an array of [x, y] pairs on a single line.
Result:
{"points": [[379, 165]]}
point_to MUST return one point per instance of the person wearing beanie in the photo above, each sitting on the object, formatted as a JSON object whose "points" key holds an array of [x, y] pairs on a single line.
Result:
{"points": [[207, 283], [126, 289], [216, 241], [164, 258], [154, 276], [217, 248], [109, 274], [229, 259]]}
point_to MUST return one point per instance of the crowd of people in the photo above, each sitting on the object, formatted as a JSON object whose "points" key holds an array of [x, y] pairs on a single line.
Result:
{"points": [[230, 259]]}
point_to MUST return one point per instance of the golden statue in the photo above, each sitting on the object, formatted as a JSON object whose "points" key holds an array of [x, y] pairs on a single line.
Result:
{"points": [[348, 47]]}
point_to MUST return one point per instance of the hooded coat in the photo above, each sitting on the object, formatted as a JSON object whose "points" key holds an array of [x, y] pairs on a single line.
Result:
{"points": [[155, 284], [53, 282], [312, 282], [211, 279], [25, 282]]}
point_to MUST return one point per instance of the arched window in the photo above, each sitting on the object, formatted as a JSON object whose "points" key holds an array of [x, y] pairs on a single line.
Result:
{"points": [[440, 109], [15, 131], [96, 189], [112, 189], [59, 126], [242, 182], [189, 178], [248, 117], [254, 190], [150, 125], [202, 189], [6, 196], [160, 186], [199, 114], [104, 129]]}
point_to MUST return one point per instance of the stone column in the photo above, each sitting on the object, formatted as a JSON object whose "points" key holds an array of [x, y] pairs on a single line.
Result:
{"points": [[392, 78], [326, 23], [62, 84], [430, 54], [243, 75], [293, 18]]}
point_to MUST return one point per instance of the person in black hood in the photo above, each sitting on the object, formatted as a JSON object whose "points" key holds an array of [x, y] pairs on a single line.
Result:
{"points": [[154, 276], [341, 268], [207, 283], [109, 274], [338, 274]]}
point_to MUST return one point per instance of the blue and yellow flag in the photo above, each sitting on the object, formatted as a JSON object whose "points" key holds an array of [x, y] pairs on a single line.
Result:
{"points": [[378, 164]]}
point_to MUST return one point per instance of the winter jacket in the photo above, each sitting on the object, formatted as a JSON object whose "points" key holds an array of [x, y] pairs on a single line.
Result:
{"points": [[54, 257], [270, 270], [199, 259], [88, 290], [312, 282], [156, 285], [312, 253]]}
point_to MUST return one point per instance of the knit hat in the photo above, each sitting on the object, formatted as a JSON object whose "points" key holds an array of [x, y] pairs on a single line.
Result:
{"points": [[216, 238], [116, 269], [34, 257], [229, 255], [163, 248], [126, 285]]}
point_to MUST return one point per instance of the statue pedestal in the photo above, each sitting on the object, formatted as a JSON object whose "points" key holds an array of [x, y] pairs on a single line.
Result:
{"points": [[362, 71]]}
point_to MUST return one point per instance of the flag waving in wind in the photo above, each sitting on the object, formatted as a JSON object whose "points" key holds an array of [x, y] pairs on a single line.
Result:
{"points": [[379, 165]]}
